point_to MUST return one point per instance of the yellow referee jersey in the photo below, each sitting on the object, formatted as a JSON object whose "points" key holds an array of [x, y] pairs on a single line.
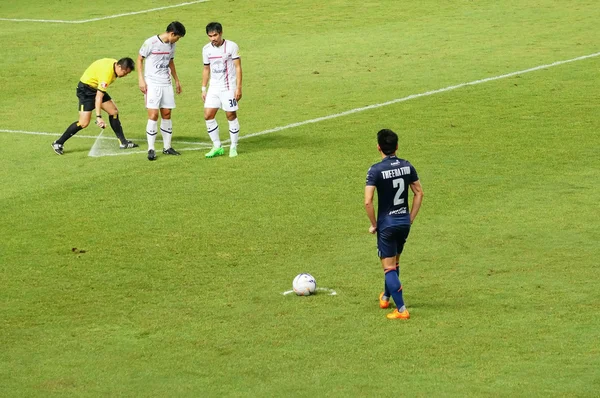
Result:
{"points": [[100, 74]]}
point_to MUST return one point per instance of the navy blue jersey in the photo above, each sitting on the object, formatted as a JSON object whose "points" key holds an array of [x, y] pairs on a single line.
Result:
{"points": [[392, 178]]}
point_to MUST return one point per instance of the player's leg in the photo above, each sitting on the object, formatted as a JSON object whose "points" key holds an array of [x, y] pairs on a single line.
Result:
{"points": [[234, 129], [151, 127], [384, 297], [212, 103], [167, 103], [388, 242], [110, 107], [166, 129], [230, 106], [86, 106], [152, 100], [385, 248]]}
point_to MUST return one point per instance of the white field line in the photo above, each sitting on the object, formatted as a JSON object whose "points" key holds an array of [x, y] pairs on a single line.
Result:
{"points": [[130, 152], [102, 18], [203, 144], [356, 110], [413, 96]]}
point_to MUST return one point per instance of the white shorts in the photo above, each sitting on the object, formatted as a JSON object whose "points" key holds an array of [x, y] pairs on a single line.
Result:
{"points": [[221, 99], [160, 97]]}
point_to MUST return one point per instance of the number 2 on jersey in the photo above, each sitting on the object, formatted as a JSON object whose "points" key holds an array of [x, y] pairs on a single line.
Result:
{"points": [[398, 183]]}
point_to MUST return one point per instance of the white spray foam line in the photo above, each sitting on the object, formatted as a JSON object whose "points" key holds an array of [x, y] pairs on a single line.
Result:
{"points": [[102, 18], [330, 292], [96, 150]]}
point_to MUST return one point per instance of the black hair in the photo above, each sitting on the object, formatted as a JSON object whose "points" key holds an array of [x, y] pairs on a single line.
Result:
{"points": [[388, 141], [126, 63], [177, 28], [214, 27]]}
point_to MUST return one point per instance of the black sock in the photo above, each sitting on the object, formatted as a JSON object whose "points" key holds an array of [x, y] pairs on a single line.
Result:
{"points": [[115, 124], [69, 132]]}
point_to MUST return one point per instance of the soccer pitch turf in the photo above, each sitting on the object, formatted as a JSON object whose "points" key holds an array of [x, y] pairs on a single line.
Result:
{"points": [[123, 277]]}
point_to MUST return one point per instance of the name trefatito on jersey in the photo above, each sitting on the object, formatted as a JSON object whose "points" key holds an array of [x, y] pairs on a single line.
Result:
{"points": [[393, 173]]}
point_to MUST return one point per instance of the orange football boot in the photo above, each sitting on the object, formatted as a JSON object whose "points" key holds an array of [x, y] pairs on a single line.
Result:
{"points": [[383, 303], [398, 315]]}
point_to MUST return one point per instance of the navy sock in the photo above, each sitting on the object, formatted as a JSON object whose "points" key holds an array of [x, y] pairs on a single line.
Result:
{"points": [[392, 283], [386, 291]]}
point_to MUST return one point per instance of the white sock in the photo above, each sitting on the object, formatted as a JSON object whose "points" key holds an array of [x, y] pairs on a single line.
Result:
{"points": [[166, 128], [234, 129], [213, 131], [151, 133]]}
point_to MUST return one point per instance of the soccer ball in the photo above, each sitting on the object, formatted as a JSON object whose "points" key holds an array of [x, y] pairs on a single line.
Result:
{"points": [[304, 284]]}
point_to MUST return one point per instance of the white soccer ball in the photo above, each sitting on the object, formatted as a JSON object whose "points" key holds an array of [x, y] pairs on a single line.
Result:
{"points": [[304, 284]]}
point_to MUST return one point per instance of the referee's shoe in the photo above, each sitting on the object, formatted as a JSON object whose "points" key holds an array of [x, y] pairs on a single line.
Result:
{"points": [[58, 148], [128, 144]]}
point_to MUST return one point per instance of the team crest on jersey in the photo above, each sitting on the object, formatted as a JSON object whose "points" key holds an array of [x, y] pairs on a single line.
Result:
{"points": [[103, 85]]}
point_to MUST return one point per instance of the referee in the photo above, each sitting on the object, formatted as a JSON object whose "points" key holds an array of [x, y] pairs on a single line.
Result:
{"points": [[92, 95]]}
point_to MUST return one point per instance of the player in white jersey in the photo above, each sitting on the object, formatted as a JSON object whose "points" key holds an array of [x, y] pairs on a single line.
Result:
{"points": [[222, 64], [155, 82]]}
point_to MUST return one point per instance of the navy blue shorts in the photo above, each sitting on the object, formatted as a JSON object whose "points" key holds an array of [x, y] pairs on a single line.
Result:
{"points": [[390, 241]]}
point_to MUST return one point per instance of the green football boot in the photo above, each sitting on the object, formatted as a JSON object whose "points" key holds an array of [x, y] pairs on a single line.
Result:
{"points": [[215, 152], [232, 152]]}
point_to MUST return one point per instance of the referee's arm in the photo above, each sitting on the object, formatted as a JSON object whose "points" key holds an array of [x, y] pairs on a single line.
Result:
{"points": [[98, 105]]}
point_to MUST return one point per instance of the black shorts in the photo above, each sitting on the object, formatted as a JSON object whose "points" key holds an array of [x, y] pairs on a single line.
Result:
{"points": [[87, 97]]}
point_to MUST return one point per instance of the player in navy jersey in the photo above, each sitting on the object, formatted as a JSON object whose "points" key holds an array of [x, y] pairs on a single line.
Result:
{"points": [[391, 178]]}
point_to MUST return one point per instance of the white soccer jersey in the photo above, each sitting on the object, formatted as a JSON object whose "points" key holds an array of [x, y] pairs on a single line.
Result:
{"points": [[222, 72], [158, 55]]}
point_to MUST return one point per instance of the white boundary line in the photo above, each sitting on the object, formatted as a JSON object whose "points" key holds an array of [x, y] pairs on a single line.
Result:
{"points": [[102, 18], [356, 110], [203, 144], [413, 96]]}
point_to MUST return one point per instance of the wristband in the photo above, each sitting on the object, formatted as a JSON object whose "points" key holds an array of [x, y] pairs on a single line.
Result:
{"points": [[98, 115], [203, 88]]}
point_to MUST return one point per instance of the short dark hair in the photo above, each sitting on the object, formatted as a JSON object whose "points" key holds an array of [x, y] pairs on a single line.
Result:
{"points": [[126, 63], [388, 141], [214, 27], [177, 28]]}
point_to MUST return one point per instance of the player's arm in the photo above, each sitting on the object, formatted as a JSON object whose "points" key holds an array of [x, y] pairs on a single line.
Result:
{"points": [[237, 63], [205, 76], [370, 207], [417, 190], [174, 74], [139, 65], [98, 106]]}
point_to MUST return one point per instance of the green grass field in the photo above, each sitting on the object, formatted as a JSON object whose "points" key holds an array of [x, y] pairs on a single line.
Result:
{"points": [[123, 277]]}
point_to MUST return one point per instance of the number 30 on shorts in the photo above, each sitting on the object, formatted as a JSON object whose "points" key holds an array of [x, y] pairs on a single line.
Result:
{"points": [[232, 102]]}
